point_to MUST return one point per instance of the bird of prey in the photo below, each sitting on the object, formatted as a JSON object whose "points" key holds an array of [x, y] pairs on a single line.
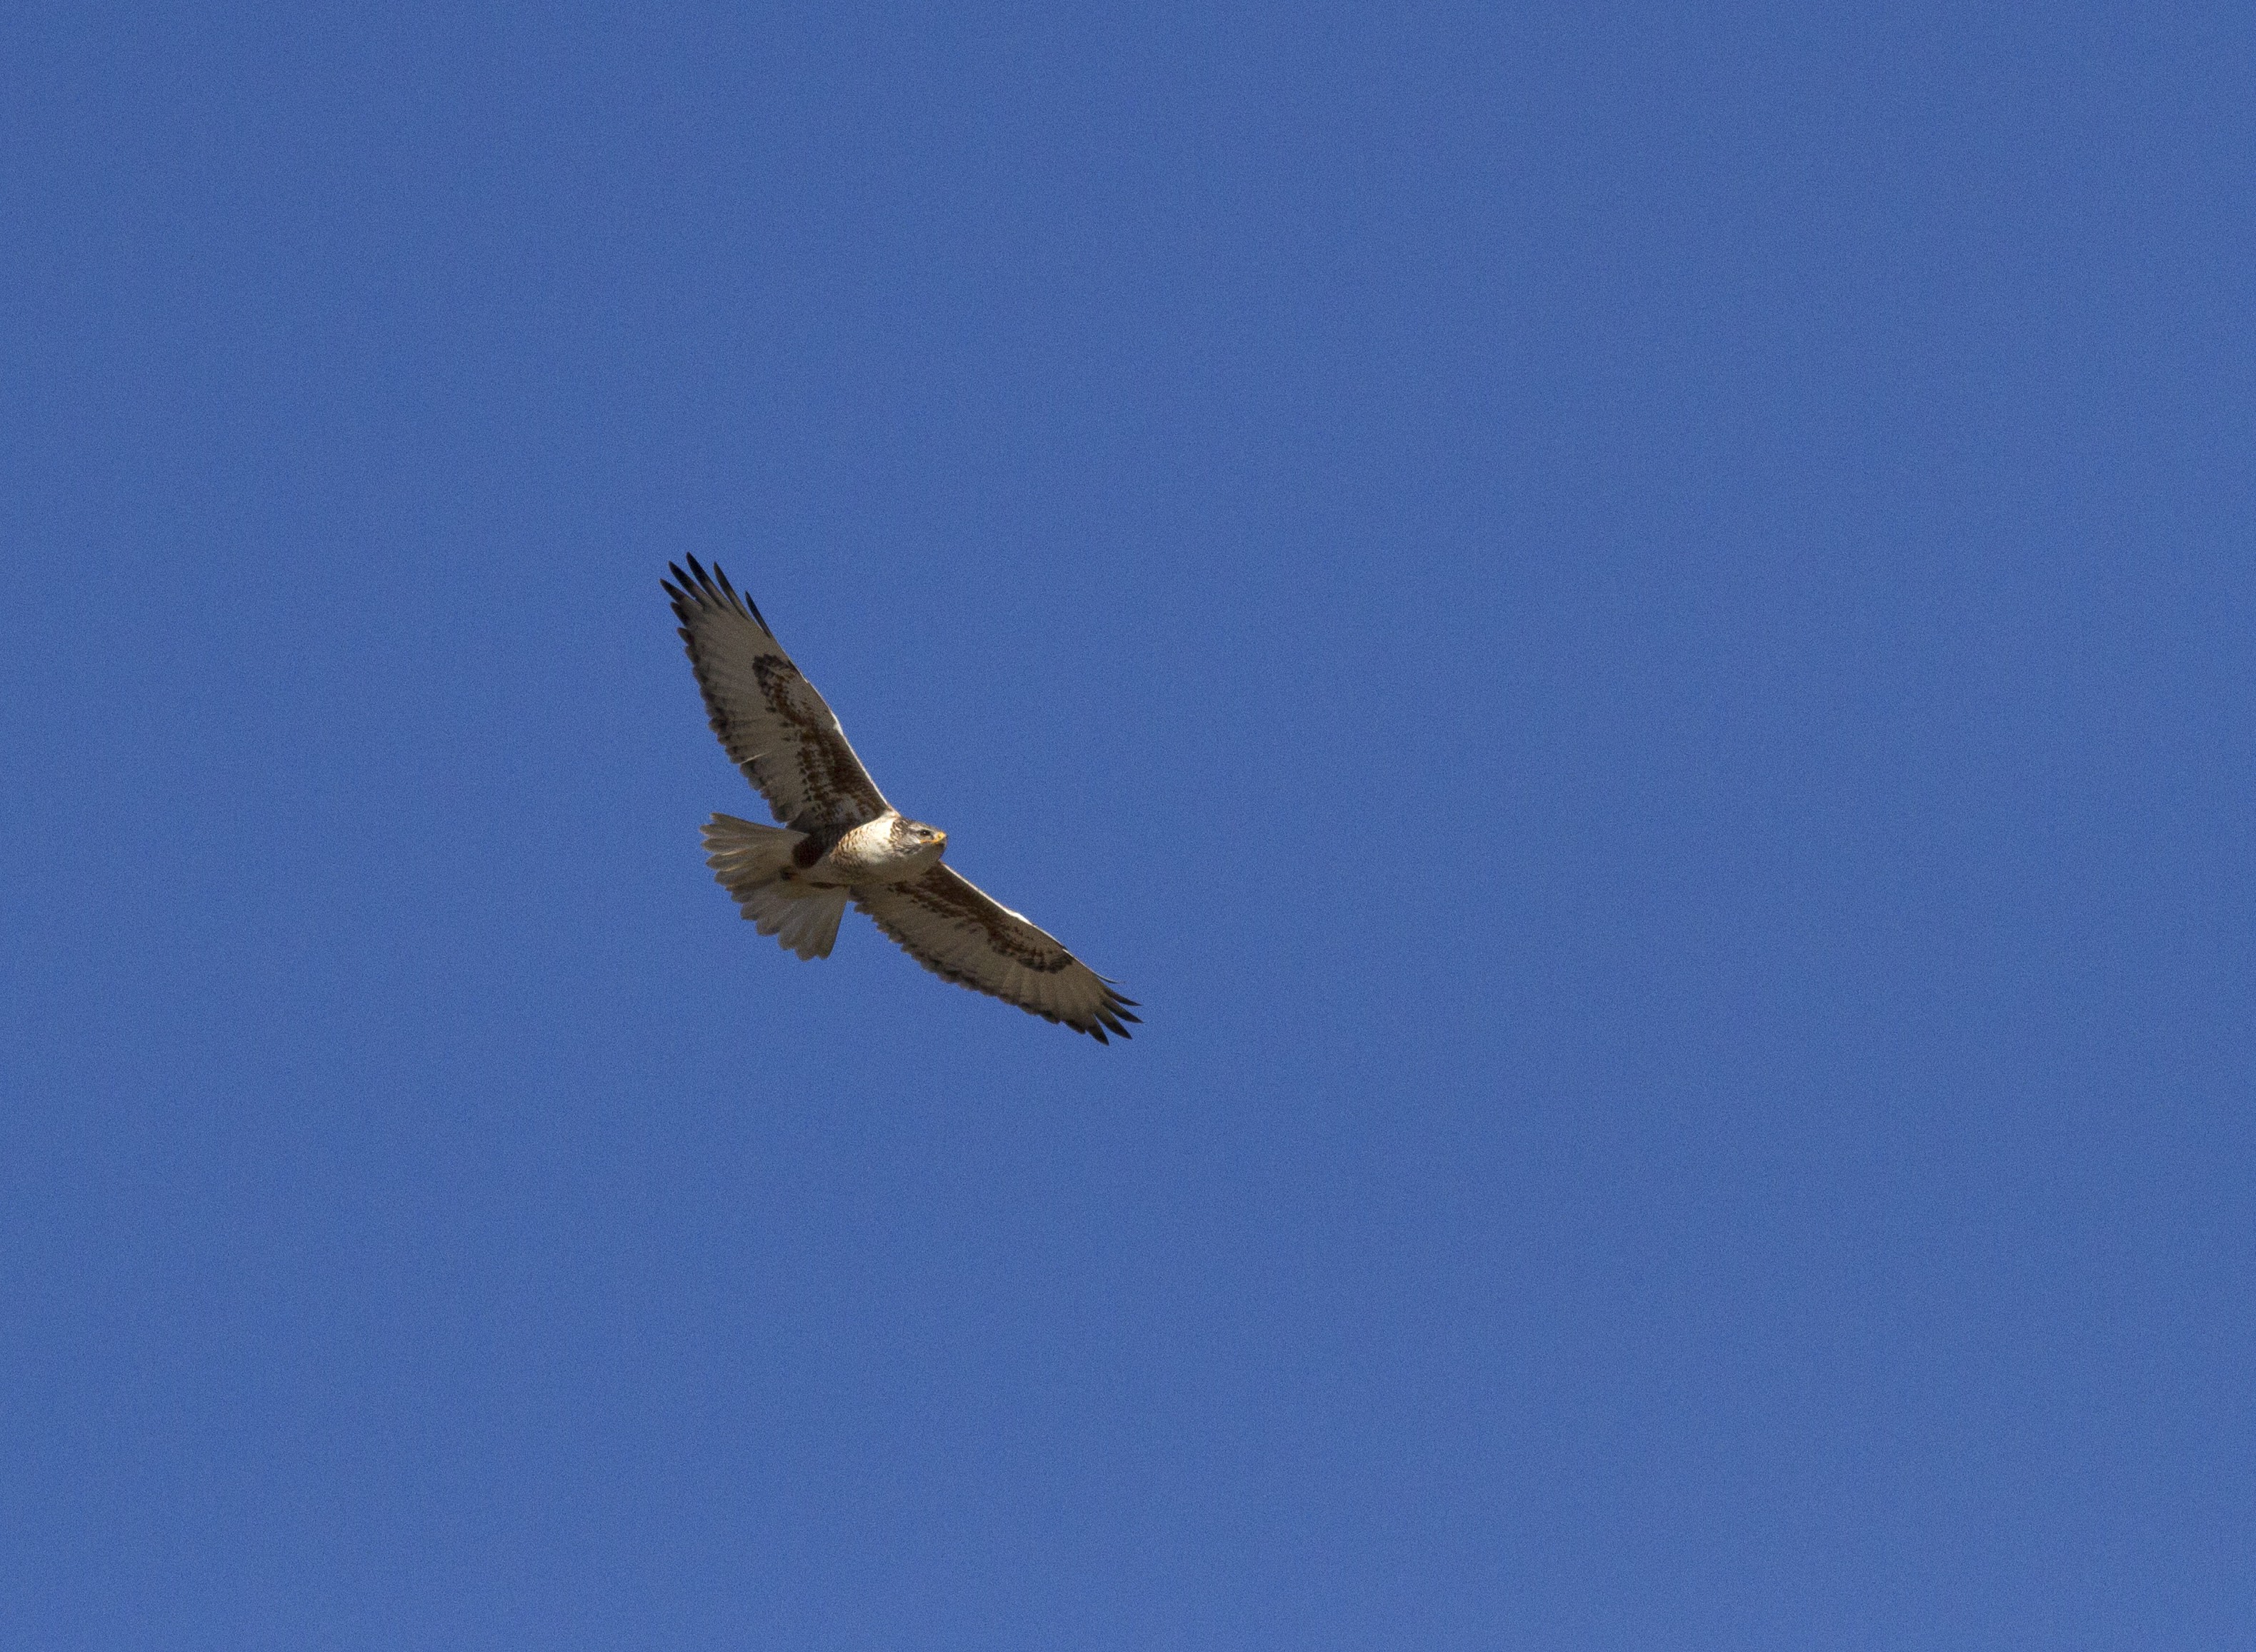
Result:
{"points": [[840, 841]]}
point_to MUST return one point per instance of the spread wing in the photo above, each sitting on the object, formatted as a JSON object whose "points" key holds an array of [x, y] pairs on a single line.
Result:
{"points": [[965, 936], [770, 720]]}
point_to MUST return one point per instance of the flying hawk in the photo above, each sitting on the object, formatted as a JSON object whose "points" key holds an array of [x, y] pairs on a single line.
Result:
{"points": [[841, 842]]}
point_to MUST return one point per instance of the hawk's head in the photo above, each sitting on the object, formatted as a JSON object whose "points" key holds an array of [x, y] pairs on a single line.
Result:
{"points": [[920, 845]]}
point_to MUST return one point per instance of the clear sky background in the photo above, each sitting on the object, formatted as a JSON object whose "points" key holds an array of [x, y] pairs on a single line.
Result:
{"points": [[1631, 623]]}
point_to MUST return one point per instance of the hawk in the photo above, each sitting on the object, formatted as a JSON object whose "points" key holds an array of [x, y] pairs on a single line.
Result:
{"points": [[841, 842]]}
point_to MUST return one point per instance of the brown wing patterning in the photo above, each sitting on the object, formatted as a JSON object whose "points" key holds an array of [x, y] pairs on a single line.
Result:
{"points": [[958, 902], [772, 722], [960, 934]]}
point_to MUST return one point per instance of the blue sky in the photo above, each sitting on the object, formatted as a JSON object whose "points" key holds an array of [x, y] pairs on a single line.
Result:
{"points": [[1631, 623]]}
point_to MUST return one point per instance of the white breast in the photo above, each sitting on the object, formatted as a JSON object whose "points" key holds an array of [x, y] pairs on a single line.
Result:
{"points": [[868, 855]]}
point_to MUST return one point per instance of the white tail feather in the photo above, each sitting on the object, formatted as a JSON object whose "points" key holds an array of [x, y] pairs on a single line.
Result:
{"points": [[749, 861]]}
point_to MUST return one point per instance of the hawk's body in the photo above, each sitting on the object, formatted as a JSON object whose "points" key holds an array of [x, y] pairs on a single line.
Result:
{"points": [[841, 842]]}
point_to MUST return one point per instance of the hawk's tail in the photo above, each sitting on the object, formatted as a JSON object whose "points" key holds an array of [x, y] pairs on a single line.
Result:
{"points": [[749, 861]]}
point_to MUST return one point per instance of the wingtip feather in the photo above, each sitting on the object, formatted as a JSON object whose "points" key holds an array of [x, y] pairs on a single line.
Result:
{"points": [[701, 589]]}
